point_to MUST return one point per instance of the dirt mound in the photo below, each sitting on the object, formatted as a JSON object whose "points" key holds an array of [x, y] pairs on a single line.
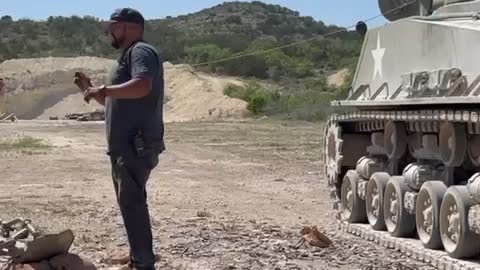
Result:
{"points": [[197, 96], [70, 104], [34, 85], [51, 64], [42, 88]]}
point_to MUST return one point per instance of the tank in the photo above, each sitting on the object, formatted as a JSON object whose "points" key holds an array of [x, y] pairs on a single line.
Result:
{"points": [[402, 151]]}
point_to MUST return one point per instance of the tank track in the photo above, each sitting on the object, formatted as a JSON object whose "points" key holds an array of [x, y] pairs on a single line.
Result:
{"points": [[416, 121], [463, 116], [410, 247]]}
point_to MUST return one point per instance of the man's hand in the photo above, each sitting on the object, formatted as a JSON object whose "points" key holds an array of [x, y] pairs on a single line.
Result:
{"points": [[84, 83], [93, 92]]}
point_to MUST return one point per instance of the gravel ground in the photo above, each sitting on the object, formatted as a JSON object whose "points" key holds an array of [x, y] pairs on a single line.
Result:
{"points": [[225, 196]]}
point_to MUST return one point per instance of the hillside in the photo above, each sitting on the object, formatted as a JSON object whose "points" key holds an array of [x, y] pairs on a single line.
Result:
{"points": [[210, 34], [243, 17]]}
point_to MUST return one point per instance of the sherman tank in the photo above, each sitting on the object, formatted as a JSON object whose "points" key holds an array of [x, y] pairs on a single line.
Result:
{"points": [[402, 151]]}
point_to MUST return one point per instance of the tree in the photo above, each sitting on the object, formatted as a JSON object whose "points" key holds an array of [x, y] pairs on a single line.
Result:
{"points": [[6, 18], [237, 28]]}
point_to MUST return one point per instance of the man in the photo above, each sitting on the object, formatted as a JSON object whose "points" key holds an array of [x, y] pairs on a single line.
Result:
{"points": [[134, 127]]}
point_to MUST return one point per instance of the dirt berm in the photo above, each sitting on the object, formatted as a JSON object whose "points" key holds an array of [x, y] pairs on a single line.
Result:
{"points": [[43, 87]]}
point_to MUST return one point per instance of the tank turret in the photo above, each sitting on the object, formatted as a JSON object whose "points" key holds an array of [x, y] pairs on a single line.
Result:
{"points": [[394, 10]]}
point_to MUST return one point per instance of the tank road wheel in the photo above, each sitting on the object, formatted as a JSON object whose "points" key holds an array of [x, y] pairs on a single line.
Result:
{"points": [[333, 153], [452, 143], [374, 200], [427, 213], [474, 150], [353, 207], [458, 241], [399, 222], [395, 139]]}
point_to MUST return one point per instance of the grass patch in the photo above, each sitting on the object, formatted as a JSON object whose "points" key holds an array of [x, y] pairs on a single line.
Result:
{"points": [[25, 144]]}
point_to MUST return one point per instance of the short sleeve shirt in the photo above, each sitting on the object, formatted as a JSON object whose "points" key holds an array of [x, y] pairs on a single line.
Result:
{"points": [[125, 118]]}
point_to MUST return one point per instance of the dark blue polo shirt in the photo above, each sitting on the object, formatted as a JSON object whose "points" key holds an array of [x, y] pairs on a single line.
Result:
{"points": [[125, 118]]}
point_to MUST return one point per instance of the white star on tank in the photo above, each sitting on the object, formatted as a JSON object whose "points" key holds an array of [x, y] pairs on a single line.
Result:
{"points": [[377, 58]]}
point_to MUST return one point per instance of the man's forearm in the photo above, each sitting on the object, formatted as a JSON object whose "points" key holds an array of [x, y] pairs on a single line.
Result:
{"points": [[135, 88], [100, 100]]}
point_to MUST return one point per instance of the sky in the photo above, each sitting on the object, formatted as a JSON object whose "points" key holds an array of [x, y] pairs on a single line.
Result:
{"points": [[338, 12]]}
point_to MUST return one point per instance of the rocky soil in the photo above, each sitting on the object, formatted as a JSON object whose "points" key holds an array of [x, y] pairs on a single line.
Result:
{"points": [[225, 196]]}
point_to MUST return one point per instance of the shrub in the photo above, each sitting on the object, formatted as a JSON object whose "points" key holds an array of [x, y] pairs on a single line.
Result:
{"points": [[309, 104]]}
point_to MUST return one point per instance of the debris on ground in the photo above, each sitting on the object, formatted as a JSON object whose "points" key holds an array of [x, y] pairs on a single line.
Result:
{"points": [[120, 257], [117, 257], [4, 117], [59, 262], [313, 237], [71, 262], [86, 116], [22, 246], [203, 214]]}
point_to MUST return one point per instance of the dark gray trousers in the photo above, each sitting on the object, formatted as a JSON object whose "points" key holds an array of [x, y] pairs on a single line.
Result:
{"points": [[130, 175]]}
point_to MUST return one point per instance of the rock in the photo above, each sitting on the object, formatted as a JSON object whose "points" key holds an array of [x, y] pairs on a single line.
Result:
{"points": [[118, 257], [262, 118], [121, 257], [71, 262], [203, 214]]}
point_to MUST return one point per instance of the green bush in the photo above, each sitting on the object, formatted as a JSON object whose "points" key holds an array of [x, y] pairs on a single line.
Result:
{"points": [[258, 102], [308, 104]]}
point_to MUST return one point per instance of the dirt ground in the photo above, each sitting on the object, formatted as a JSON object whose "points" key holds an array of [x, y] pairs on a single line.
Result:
{"points": [[226, 195]]}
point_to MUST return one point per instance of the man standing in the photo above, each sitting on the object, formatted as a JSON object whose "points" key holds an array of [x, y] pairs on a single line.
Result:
{"points": [[134, 127]]}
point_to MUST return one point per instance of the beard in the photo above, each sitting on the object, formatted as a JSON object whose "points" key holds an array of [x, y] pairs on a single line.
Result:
{"points": [[115, 42]]}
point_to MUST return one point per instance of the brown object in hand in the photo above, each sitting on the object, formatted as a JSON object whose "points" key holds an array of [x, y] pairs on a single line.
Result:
{"points": [[315, 238], [82, 81]]}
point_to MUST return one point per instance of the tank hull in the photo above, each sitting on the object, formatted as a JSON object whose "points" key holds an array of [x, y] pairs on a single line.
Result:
{"points": [[413, 61], [404, 146]]}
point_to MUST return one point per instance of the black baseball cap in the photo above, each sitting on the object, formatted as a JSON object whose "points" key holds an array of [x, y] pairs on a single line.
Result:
{"points": [[127, 15]]}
